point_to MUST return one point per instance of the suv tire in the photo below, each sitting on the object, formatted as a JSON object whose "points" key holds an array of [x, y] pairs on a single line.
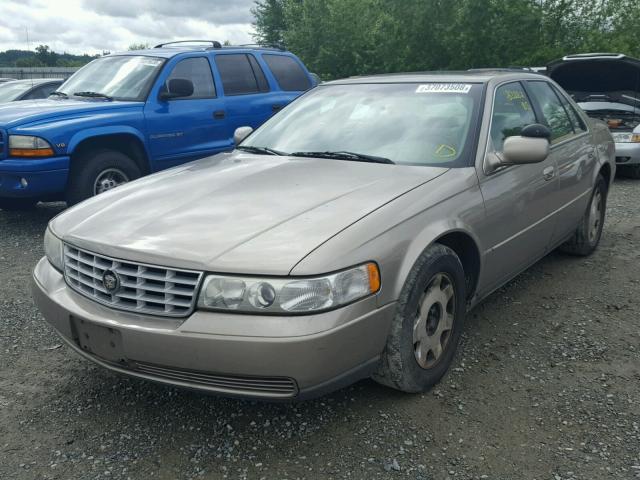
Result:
{"points": [[428, 322], [99, 171], [587, 236]]}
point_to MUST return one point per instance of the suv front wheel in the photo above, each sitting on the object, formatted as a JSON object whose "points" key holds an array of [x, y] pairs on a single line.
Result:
{"points": [[98, 172]]}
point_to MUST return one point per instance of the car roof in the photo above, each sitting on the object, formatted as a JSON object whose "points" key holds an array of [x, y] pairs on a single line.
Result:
{"points": [[169, 51], [473, 76]]}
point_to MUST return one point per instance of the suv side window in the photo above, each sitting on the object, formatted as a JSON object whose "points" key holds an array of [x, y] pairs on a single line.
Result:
{"points": [[289, 74], [576, 119], [241, 74], [511, 113], [198, 71], [554, 114]]}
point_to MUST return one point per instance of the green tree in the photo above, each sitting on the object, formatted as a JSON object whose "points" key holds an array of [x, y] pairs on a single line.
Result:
{"points": [[269, 22], [138, 46]]}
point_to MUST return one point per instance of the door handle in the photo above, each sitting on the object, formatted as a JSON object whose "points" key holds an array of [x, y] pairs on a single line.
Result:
{"points": [[276, 107], [548, 173], [218, 114]]}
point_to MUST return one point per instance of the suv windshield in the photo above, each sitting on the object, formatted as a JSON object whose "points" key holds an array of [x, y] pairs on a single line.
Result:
{"points": [[120, 77], [406, 123]]}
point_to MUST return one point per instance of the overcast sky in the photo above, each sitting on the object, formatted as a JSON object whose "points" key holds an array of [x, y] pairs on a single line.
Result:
{"points": [[91, 26]]}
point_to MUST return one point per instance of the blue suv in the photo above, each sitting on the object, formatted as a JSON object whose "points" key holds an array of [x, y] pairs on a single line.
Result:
{"points": [[129, 114]]}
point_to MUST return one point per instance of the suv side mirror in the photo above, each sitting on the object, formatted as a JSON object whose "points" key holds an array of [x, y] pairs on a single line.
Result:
{"points": [[177, 88], [241, 133]]}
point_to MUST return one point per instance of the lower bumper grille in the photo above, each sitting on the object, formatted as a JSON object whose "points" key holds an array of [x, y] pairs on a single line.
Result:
{"points": [[259, 386]]}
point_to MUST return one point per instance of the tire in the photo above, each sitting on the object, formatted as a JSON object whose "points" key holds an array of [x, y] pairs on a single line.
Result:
{"points": [[587, 236], [409, 362], [99, 171], [17, 204], [629, 171]]}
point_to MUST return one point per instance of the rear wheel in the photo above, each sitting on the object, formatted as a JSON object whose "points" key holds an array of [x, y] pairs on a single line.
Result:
{"points": [[16, 204], [587, 236], [428, 323], [97, 172]]}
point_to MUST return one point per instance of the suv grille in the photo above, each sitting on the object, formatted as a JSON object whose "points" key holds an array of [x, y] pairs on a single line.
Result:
{"points": [[139, 288]]}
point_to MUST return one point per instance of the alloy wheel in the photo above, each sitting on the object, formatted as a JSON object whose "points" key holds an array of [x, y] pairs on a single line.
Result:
{"points": [[108, 179]]}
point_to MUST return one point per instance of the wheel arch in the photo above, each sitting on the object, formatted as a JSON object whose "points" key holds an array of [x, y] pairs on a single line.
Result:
{"points": [[466, 248], [124, 140]]}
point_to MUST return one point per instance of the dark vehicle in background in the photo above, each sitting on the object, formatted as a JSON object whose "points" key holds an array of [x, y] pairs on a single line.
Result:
{"points": [[607, 87], [32, 89]]}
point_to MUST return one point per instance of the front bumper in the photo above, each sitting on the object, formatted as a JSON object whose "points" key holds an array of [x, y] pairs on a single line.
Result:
{"points": [[36, 178], [627, 153], [296, 357]]}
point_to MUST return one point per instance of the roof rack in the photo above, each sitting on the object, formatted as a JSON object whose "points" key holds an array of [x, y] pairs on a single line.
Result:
{"points": [[214, 43], [257, 45]]}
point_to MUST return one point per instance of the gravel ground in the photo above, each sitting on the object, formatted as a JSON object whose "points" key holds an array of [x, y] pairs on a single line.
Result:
{"points": [[546, 386]]}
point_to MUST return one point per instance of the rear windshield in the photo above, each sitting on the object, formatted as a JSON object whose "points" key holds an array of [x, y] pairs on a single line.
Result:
{"points": [[408, 123]]}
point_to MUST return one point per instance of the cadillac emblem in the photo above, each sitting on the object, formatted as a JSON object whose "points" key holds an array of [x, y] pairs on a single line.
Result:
{"points": [[110, 281]]}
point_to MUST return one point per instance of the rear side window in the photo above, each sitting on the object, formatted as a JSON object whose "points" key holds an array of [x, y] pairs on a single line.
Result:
{"points": [[511, 113], [241, 74], [41, 92], [198, 71], [289, 74], [554, 114], [576, 120]]}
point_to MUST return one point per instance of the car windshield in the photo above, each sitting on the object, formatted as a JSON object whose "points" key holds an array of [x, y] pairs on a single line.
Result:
{"points": [[123, 77], [10, 91], [406, 123]]}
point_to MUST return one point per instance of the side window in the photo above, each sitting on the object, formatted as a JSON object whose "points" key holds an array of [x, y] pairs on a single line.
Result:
{"points": [[263, 85], [576, 119], [289, 74], [555, 116], [198, 71], [511, 113], [40, 92], [237, 74]]}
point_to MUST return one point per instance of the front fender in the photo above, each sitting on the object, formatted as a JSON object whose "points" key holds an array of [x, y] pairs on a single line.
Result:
{"points": [[84, 134], [396, 234]]}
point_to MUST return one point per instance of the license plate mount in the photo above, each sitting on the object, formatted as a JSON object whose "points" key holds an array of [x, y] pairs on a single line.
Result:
{"points": [[103, 342]]}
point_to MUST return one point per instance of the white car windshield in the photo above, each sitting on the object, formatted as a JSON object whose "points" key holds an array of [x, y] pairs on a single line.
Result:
{"points": [[125, 77], [407, 123]]}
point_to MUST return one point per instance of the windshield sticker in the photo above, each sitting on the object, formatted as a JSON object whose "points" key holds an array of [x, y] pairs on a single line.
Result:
{"points": [[444, 88], [445, 151]]}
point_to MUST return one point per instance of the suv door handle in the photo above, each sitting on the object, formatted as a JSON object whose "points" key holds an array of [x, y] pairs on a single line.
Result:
{"points": [[548, 173], [218, 114], [276, 107]]}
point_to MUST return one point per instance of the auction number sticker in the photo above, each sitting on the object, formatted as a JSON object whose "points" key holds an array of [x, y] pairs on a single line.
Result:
{"points": [[444, 88]]}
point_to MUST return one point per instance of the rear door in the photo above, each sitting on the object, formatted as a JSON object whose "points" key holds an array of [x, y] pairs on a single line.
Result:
{"points": [[186, 128], [519, 198], [247, 97], [573, 152]]}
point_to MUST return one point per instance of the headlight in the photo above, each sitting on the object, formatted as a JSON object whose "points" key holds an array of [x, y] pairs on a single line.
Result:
{"points": [[29, 146], [289, 295], [53, 250]]}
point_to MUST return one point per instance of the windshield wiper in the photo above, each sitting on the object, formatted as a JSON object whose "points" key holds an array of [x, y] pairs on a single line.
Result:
{"points": [[260, 150], [59, 94], [92, 95], [344, 155]]}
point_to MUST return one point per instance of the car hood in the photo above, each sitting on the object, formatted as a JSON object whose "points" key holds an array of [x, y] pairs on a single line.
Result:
{"points": [[235, 212], [586, 76], [29, 111]]}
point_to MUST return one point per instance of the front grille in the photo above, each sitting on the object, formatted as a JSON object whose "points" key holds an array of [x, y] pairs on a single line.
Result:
{"points": [[140, 288], [270, 386]]}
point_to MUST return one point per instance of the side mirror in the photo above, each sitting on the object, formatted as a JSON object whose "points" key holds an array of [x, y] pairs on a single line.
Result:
{"points": [[177, 88], [241, 133], [531, 146]]}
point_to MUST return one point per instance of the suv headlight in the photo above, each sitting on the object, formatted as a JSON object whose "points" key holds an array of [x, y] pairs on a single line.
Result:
{"points": [[53, 250], [289, 295], [29, 146]]}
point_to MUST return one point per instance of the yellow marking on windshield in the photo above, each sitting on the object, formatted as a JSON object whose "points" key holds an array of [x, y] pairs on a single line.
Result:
{"points": [[445, 151]]}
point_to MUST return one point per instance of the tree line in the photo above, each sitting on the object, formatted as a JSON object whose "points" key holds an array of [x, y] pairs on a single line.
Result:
{"points": [[43, 56], [338, 38]]}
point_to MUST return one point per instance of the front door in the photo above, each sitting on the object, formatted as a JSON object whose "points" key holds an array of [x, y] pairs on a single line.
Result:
{"points": [[519, 209], [186, 128]]}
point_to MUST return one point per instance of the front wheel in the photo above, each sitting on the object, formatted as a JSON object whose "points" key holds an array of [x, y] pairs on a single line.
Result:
{"points": [[428, 323], [98, 172], [587, 236]]}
